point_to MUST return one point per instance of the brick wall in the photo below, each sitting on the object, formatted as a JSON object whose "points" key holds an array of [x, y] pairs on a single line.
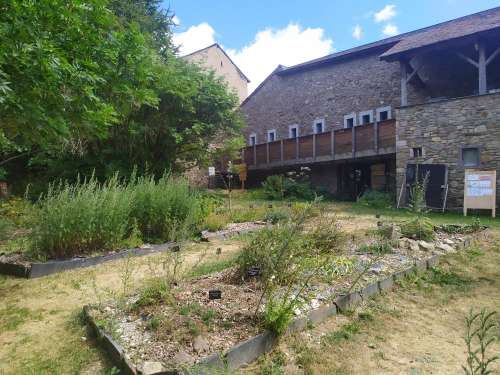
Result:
{"points": [[442, 128]]}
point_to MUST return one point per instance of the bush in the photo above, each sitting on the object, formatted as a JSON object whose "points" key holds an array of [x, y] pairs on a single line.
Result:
{"points": [[419, 228], [215, 222], [90, 217], [165, 209], [326, 237], [81, 218], [375, 199], [275, 216], [278, 187]]}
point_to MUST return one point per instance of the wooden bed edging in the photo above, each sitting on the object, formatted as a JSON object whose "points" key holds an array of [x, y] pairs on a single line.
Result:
{"points": [[248, 351], [40, 269]]}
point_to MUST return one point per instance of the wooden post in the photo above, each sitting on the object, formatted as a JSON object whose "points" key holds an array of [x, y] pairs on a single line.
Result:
{"points": [[314, 146], [297, 148], [281, 151], [483, 87], [404, 81], [254, 154], [375, 134], [267, 153], [353, 141], [333, 144]]}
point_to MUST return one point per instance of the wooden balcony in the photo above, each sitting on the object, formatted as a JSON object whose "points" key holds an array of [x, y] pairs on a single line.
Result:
{"points": [[362, 141]]}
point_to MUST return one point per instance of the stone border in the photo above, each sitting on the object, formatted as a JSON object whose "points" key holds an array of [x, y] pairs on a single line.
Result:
{"points": [[40, 269], [248, 351]]}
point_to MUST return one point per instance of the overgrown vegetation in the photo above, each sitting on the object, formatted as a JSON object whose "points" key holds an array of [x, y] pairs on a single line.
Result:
{"points": [[375, 199], [89, 216], [278, 187], [418, 228]]}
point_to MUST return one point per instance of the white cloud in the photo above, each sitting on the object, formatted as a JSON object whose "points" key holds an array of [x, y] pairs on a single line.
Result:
{"points": [[176, 20], [194, 38], [387, 13], [271, 47], [357, 32], [390, 30]]}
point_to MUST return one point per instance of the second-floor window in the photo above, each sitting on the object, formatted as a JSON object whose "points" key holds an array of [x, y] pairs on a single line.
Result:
{"points": [[252, 140], [365, 117], [350, 120], [384, 113], [318, 126], [271, 135], [293, 131]]}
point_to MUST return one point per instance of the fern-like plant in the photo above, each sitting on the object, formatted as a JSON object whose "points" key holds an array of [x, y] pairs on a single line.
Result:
{"points": [[478, 339]]}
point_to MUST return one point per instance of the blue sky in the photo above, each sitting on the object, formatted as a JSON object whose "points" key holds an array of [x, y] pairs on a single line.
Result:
{"points": [[259, 35]]}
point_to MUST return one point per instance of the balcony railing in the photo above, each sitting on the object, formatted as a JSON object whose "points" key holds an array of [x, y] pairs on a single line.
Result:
{"points": [[365, 140]]}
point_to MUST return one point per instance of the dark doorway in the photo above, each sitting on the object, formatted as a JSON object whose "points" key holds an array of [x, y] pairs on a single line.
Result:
{"points": [[437, 176], [354, 180]]}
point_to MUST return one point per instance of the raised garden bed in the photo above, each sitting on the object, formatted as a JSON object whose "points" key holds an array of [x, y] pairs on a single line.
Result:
{"points": [[16, 264], [193, 332]]}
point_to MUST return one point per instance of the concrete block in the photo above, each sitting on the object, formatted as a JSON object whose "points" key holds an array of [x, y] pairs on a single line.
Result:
{"points": [[342, 303], [297, 325], [321, 314], [386, 284], [370, 291], [250, 350], [354, 299], [420, 266]]}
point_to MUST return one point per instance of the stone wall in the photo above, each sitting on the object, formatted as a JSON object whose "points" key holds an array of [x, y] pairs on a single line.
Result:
{"points": [[328, 92], [441, 129]]}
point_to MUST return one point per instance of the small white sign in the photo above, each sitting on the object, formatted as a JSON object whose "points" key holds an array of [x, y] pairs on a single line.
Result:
{"points": [[211, 171]]}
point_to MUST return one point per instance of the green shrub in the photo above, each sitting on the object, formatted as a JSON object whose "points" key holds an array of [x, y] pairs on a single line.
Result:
{"points": [[166, 209], [275, 216], [214, 222], [156, 291], [377, 248], [326, 237], [81, 218], [419, 228], [278, 187], [375, 199]]}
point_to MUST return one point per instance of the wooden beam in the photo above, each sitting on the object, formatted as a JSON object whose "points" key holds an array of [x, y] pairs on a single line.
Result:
{"points": [[414, 71], [493, 55], [467, 59], [482, 69], [314, 146], [404, 82], [375, 135], [353, 141], [281, 151], [297, 148], [267, 153], [333, 144], [254, 154]]}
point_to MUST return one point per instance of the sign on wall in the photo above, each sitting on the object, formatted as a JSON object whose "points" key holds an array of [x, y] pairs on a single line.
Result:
{"points": [[480, 190]]}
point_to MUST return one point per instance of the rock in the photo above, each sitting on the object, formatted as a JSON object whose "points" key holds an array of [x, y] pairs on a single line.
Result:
{"points": [[150, 367], [448, 242], [413, 245], [377, 268], [445, 247], [183, 358], [394, 233], [427, 246], [200, 344], [402, 243]]}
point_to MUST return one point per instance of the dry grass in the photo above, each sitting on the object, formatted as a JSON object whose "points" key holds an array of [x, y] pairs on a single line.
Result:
{"points": [[40, 330], [417, 329]]}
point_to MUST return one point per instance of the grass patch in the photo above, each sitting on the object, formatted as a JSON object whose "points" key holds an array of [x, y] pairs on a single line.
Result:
{"points": [[346, 332], [207, 268], [13, 316]]}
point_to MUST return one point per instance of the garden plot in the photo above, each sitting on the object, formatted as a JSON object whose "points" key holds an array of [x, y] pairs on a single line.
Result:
{"points": [[175, 323]]}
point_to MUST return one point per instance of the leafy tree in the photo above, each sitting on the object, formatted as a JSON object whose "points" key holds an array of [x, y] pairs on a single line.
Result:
{"points": [[68, 73]]}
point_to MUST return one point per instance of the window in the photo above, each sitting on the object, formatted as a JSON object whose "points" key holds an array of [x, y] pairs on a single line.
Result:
{"points": [[384, 113], [365, 117], [350, 120], [271, 135], [293, 131], [417, 152], [470, 157], [318, 126], [252, 139]]}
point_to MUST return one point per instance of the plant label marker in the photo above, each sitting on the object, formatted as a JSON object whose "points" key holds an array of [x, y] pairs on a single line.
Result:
{"points": [[214, 294], [253, 272]]}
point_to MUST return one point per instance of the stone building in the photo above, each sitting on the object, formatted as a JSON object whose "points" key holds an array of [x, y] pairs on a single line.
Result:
{"points": [[215, 58], [364, 118]]}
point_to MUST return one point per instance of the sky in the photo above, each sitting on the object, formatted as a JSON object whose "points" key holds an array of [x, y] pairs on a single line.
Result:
{"points": [[261, 34]]}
